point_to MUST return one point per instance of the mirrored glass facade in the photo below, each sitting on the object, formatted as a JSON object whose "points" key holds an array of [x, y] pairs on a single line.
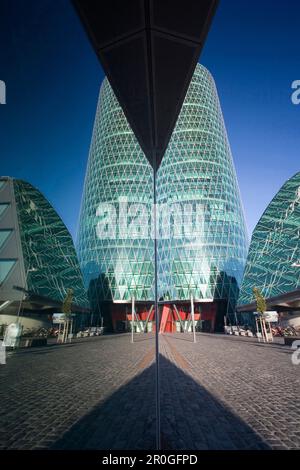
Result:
{"points": [[274, 255]]}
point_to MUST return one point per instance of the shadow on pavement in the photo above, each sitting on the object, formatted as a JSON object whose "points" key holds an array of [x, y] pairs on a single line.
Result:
{"points": [[191, 418]]}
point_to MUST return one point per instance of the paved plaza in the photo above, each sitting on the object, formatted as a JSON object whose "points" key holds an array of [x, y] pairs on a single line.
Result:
{"points": [[99, 393]]}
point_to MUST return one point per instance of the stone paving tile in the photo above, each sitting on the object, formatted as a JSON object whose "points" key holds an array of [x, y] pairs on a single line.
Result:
{"points": [[98, 393]]}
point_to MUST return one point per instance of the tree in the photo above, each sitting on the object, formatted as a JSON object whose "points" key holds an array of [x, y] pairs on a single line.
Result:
{"points": [[67, 303], [67, 311], [261, 307]]}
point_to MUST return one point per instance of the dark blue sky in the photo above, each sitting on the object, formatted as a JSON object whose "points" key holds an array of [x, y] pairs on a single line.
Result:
{"points": [[53, 78]]}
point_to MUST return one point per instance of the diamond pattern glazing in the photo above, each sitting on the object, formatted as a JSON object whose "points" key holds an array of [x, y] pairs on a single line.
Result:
{"points": [[273, 263], [197, 175], [117, 168], [50, 260]]}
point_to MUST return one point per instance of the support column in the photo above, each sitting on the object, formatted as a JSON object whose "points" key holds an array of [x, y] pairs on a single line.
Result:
{"points": [[193, 317], [156, 314], [257, 330], [132, 318], [179, 318], [147, 319]]}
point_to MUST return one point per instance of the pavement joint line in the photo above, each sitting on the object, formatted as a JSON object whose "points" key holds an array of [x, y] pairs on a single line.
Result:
{"points": [[178, 358], [147, 360]]}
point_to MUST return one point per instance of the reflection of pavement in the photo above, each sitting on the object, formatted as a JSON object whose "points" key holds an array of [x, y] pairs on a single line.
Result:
{"points": [[98, 393], [47, 391], [237, 394]]}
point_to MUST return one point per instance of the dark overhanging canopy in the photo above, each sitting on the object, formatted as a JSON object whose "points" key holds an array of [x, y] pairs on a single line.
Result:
{"points": [[148, 50], [288, 301], [33, 301]]}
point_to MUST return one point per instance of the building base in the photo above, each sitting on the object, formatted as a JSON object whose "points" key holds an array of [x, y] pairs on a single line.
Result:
{"points": [[173, 316]]}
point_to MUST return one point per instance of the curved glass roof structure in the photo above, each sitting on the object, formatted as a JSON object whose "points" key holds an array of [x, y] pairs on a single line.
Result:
{"points": [[36, 249], [273, 263], [202, 241]]}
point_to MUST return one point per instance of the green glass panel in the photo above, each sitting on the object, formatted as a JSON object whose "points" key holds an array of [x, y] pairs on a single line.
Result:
{"points": [[3, 207], [4, 234], [5, 267]]}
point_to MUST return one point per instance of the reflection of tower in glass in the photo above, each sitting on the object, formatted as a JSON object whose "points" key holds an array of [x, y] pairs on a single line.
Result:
{"points": [[197, 171], [196, 181]]}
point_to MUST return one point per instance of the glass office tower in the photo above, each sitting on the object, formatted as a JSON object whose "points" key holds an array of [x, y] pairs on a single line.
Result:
{"points": [[202, 241]]}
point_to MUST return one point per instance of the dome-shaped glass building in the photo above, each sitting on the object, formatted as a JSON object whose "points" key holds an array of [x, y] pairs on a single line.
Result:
{"points": [[274, 255], [38, 261]]}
